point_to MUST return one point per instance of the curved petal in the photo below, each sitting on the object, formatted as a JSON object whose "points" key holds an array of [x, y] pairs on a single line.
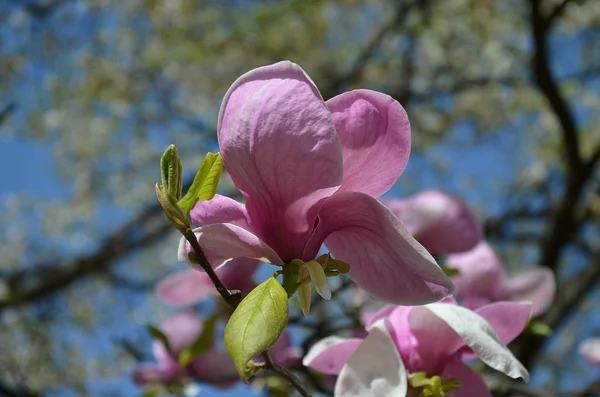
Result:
{"points": [[220, 209], [238, 274], [471, 383], [222, 242], [280, 147], [481, 275], [283, 352], [441, 222], [476, 333], [590, 350], [536, 285], [384, 258], [182, 329], [375, 135], [329, 355], [375, 369], [185, 288]]}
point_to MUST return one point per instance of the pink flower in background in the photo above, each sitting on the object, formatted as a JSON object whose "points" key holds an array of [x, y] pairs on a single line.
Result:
{"points": [[310, 172], [188, 287], [433, 339], [590, 350], [441, 222], [482, 280], [182, 329]]}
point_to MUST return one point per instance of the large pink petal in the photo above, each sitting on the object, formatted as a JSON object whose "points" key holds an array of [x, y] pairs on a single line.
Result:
{"points": [[471, 383], [384, 258], [185, 288], [329, 355], [222, 242], [590, 350], [181, 329], [375, 137], [375, 369], [441, 222], [280, 147], [536, 285], [220, 209], [481, 275]]}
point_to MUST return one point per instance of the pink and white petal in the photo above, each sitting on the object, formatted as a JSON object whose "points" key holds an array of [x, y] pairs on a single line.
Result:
{"points": [[181, 329], [220, 209], [185, 287], [384, 258], [399, 327], [471, 383], [476, 333], [535, 285], [375, 369], [368, 316], [222, 242], [375, 135], [279, 145], [238, 274], [481, 274], [329, 355], [590, 350], [441, 222]]}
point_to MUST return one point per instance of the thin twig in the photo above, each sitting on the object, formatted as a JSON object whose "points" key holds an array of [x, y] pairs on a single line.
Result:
{"points": [[233, 299]]}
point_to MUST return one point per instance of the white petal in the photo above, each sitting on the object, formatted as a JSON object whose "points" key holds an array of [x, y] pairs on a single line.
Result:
{"points": [[479, 335], [375, 369]]}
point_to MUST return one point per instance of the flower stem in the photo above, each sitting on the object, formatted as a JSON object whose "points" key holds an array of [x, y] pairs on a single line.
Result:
{"points": [[233, 299]]}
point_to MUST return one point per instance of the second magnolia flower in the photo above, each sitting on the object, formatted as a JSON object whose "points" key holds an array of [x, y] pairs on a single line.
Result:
{"points": [[310, 172]]}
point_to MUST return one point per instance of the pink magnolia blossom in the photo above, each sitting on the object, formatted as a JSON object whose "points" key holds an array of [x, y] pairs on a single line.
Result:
{"points": [[310, 172], [182, 329], [433, 339], [441, 222], [482, 280], [590, 350]]}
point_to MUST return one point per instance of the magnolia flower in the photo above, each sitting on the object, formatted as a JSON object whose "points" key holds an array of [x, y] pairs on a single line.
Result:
{"points": [[188, 287], [409, 349], [482, 280], [182, 329], [440, 221], [590, 350], [310, 172]]}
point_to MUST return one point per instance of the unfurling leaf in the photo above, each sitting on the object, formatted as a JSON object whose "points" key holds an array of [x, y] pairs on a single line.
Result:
{"points": [[157, 334], [205, 182], [319, 279], [256, 324], [200, 345], [450, 271], [539, 328], [171, 170]]}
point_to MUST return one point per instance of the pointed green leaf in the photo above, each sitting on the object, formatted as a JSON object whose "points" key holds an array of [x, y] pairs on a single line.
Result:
{"points": [[205, 182], [157, 334], [171, 170], [450, 271], [304, 291], [200, 345], [319, 279], [333, 264], [256, 324]]}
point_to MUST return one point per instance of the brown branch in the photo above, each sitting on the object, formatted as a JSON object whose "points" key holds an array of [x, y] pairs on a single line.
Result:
{"points": [[272, 366]]}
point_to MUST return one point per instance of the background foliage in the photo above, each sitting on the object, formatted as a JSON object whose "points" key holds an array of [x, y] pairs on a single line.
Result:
{"points": [[503, 98]]}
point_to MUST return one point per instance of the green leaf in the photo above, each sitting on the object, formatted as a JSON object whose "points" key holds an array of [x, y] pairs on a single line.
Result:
{"points": [[318, 278], [333, 264], [256, 324], [537, 327], [157, 334], [200, 345], [205, 182], [304, 292], [171, 170], [290, 275], [449, 271]]}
